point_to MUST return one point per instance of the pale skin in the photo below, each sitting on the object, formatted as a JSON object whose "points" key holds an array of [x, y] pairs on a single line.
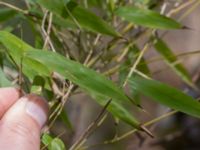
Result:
{"points": [[21, 120]]}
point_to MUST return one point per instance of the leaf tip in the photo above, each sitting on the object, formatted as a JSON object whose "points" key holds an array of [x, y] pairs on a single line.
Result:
{"points": [[144, 129]]}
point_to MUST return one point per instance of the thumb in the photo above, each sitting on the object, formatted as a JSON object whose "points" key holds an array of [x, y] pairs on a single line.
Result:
{"points": [[21, 125]]}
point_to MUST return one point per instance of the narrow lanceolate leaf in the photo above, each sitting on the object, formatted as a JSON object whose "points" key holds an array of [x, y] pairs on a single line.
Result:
{"points": [[52, 143], [76, 72], [44, 62], [79, 16], [56, 144], [17, 48], [93, 22], [166, 95], [172, 60], [6, 13], [54, 5], [4, 82], [117, 109], [127, 64], [147, 18], [46, 139]]}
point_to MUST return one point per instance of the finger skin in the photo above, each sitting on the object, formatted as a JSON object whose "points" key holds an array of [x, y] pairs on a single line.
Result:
{"points": [[18, 129], [8, 96]]}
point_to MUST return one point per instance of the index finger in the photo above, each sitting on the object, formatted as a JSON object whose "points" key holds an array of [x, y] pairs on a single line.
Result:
{"points": [[8, 96]]}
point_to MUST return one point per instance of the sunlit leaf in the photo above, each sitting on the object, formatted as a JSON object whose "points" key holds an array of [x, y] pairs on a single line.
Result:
{"points": [[37, 85], [17, 50], [52, 143], [147, 18], [43, 62], [95, 84], [56, 144], [46, 139]]}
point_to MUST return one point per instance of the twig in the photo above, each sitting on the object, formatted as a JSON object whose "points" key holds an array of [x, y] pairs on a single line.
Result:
{"points": [[136, 63], [14, 7], [61, 105], [91, 50], [46, 34], [186, 13], [163, 8], [47, 39], [27, 4], [178, 9], [90, 128], [73, 18], [125, 51], [145, 125], [127, 134]]}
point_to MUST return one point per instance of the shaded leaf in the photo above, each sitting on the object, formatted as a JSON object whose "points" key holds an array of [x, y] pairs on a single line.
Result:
{"points": [[166, 95], [65, 119], [84, 17], [6, 13], [93, 22], [56, 6], [57, 19], [147, 18]]}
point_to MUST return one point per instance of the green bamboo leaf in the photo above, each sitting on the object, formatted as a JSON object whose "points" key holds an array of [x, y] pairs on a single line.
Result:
{"points": [[76, 72], [127, 64], [95, 84], [57, 19], [6, 13], [147, 18], [52, 143], [56, 144], [142, 66], [46, 139], [56, 6], [37, 85], [166, 95], [170, 58], [17, 50], [4, 82], [93, 22], [118, 110], [84, 17], [64, 117], [44, 62]]}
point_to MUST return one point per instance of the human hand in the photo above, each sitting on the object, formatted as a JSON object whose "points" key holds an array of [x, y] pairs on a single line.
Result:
{"points": [[21, 120]]}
